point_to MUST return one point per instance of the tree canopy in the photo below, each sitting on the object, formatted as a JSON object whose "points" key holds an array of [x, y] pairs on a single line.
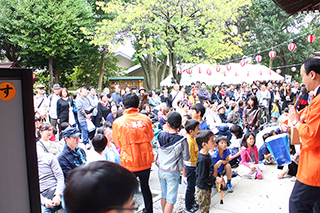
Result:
{"points": [[180, 31]]}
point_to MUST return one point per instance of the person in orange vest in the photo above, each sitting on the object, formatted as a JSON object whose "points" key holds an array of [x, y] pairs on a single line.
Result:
{"points": [[305, 196]]}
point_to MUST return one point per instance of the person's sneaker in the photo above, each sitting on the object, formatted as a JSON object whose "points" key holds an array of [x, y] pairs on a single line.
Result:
{"points": [[234, 174], [259, 176], [229, 187], [293, 179], [192, 210], [214, 186], [195, 205]]}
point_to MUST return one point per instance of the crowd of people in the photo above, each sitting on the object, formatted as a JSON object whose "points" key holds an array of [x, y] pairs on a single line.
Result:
{"points": [[197, 133]]}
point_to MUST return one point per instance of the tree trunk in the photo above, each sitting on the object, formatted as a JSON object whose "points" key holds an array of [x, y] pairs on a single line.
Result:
{"points": [[50, 72], [56, 76], [103, 54], [151, 71]]}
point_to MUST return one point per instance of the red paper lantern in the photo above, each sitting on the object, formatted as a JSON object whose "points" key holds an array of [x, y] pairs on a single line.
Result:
{"points": [[281, 81], [272, 81], [272, 54], [311, 38], [278, 71], [293, 69], [248, 73], [180, 71], [292, 46], [270, 73], [228, 67], [209, 72], [224, 73], [189, 71], [236, 74], [258, 58], [242, 63], [33, 75], [218, 68], [200, 70], [260, 72], [277, 81]]}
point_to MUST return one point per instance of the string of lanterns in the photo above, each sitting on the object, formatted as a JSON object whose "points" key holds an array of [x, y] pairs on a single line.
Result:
{"points": [[258, 58]]}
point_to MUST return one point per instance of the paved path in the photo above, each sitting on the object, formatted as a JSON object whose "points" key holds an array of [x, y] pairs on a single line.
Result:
{"points": [[267, 195]]}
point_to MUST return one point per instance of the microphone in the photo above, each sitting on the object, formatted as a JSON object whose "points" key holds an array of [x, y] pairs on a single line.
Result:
{"points": [[302, 93]]}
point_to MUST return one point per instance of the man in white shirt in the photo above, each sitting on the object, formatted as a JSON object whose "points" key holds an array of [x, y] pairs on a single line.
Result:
{"points": [[53, 99], [176, 96], [264, 98], [40, 103]]}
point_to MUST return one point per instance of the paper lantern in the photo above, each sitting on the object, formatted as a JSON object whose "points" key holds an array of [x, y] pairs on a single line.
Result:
{"points": [[293, 69], [33, 75], [189, 71], [236, 74], [277, 81], [209, 72], [228, 67], [260, 72], [180, 71], [218, 68], [270, 73], [272, 81], [200, 70], [258, 58], [311, 38], [225, 73], [248, 72], [272, 54], [281, 81], [242, 63], [292, 46], [278, 71]]}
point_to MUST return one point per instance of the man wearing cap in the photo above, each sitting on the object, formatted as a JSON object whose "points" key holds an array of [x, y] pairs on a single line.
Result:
{"points": [[71, 156], [141, 91], [40, 103], [53, 99], [132, 133], [116, 95]]}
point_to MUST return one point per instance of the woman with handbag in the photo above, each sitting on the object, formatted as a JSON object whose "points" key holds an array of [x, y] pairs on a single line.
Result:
{"points": [[65, 108], [251, 117]]}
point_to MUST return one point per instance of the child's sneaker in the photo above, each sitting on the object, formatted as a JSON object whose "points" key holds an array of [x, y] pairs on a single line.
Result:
{"points": [[192, 210], [259, 174], [229, 187]]}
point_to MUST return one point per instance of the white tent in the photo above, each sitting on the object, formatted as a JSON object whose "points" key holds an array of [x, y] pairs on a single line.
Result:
{"points": [[237, 74]]}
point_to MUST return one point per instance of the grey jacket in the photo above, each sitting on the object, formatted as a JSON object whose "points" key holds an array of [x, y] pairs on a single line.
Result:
{"points": [[170, 158], [82, 104]]}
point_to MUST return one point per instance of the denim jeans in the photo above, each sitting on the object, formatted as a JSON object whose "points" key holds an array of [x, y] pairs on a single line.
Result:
{"points": [[85, 132], [254, 131], [169, 182], [144, 176], [191, 187]]}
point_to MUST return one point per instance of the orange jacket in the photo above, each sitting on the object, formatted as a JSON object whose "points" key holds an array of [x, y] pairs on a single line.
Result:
{"points": [[132, 133], [309, 163]]}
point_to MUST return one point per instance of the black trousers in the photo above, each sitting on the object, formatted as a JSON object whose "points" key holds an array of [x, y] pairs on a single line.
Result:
{"points": [[145, 189], [304, 198]]}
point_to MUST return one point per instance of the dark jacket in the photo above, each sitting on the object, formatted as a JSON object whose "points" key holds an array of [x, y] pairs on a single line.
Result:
{"points": [[251, 117], [167, 100]]}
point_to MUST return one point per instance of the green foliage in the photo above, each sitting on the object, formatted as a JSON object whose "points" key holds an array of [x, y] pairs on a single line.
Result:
{"points": [[177, 29], [264, 25]]}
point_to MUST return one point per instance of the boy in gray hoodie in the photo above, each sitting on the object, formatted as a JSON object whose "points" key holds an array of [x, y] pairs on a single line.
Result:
{"points": [[173, 149]]}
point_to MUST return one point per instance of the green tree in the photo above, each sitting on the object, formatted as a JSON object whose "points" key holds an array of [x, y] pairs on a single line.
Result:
{"points": [[264, 25], [48, 28], [174, 31]]}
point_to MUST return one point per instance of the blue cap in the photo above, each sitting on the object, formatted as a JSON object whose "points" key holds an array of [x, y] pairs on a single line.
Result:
{"points": [[71, 132], [134, 87]]}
